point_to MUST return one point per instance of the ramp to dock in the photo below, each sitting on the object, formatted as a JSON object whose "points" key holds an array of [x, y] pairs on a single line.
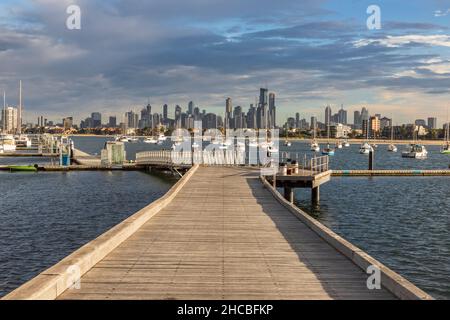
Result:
{"points": [[224, 237]]}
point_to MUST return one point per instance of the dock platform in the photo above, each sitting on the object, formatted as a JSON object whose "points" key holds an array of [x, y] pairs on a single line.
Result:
{"points": [[219, 233]]}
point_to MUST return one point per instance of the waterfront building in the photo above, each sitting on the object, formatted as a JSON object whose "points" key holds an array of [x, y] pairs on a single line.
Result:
{"points": [[374, 127], [68, 123], [357, 121], [340, 130]]}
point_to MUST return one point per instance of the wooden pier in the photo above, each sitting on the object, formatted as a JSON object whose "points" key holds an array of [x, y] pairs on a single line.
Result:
{"points": [[219, 233]]}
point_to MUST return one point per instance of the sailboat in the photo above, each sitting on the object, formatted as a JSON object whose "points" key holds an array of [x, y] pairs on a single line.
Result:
{"points": [[346, 143], [328, 151], [445, 149], [287, 143], [366, 148], [392, 147], [314, 145]]}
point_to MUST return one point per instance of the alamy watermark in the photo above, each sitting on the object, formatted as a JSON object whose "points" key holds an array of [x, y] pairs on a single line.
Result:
{"points": [[374, 280], [73, 21], [374, 20]]}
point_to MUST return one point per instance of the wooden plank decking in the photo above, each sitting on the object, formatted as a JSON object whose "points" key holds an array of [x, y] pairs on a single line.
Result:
{"points": [[224, 237]]}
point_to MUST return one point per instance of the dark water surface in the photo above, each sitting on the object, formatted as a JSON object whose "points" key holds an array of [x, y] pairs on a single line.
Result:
{"points": [[47, 215]]}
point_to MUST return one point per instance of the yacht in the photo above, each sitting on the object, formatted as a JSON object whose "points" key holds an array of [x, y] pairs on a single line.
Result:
{"points": [[339, 145], [392, 148], [416, 151], [328, 151], [287, 143], [315, 146], [133, 139], [162, 137], [150, 140], [346, 143], [7, 143], [365, 148]]}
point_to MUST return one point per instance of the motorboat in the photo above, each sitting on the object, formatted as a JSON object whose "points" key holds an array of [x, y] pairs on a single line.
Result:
{"points": [[287, 143], [328, 151], [346, 144], [365, 148], [133, 139], [415, 151], [339, 145], [150, 140], [8, 143], [162, 138], [315, 146], [392, 148]]}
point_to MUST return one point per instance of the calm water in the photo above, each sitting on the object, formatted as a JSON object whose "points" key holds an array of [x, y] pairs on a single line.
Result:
{"points": [[46, 216], [403, 222]]}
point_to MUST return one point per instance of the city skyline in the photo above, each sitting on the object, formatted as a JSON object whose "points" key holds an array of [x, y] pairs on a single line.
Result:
{"points": [[311, 53]]}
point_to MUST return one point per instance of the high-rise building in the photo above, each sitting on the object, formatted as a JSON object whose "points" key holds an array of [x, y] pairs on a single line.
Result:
{"points": [[165, 112], [432, 123], [228, 112], [374, 126], [357, 121], [297, 120], [342, 115], [327, 115], [112, 122], [272, 111], [9, 119], [263, 109], [68, 123], [251, 117], [96, 119], [191, 107], [313, 123]]}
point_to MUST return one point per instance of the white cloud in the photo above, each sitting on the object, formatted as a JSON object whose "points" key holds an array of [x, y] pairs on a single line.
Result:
{"points": [[398, 41]]}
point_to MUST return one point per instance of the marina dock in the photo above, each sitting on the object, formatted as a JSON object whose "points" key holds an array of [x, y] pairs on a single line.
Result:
{"points": [[219, 233]]}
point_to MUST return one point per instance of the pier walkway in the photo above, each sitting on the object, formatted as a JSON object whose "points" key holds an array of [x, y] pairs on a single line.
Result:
{"points": [[220, 233]]}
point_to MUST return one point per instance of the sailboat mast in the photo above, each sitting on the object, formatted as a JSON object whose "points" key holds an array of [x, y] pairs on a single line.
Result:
{"points": [[19, 118], [4, 112]]}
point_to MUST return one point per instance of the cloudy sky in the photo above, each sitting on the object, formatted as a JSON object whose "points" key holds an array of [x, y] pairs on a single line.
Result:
{"points": [[309, 52]]}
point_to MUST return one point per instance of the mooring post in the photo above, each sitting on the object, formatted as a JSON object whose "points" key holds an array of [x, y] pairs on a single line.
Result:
{"points": [[315, 195], [371, 159], [289, 193]]}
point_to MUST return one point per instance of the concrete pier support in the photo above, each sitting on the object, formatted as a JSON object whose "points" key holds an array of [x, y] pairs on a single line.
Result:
{"points": [[315, 195], [289, 194]]}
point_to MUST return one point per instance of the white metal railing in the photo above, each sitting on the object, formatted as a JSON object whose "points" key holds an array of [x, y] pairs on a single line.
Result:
{"points": [[216, 157]]}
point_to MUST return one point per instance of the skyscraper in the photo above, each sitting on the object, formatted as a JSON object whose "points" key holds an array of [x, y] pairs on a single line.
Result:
{"points": [[327, 115], [165, 112], [228, 112], [96, 119], [432, 123], [272, 111], [191, 107], [342, 115], [263, 108]]}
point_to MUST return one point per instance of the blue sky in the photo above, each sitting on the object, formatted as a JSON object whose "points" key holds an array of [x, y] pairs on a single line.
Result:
{"points": [[310, 53]]}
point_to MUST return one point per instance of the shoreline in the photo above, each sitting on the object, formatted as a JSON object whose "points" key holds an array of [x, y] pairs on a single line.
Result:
{"points": [[319, 140]]}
